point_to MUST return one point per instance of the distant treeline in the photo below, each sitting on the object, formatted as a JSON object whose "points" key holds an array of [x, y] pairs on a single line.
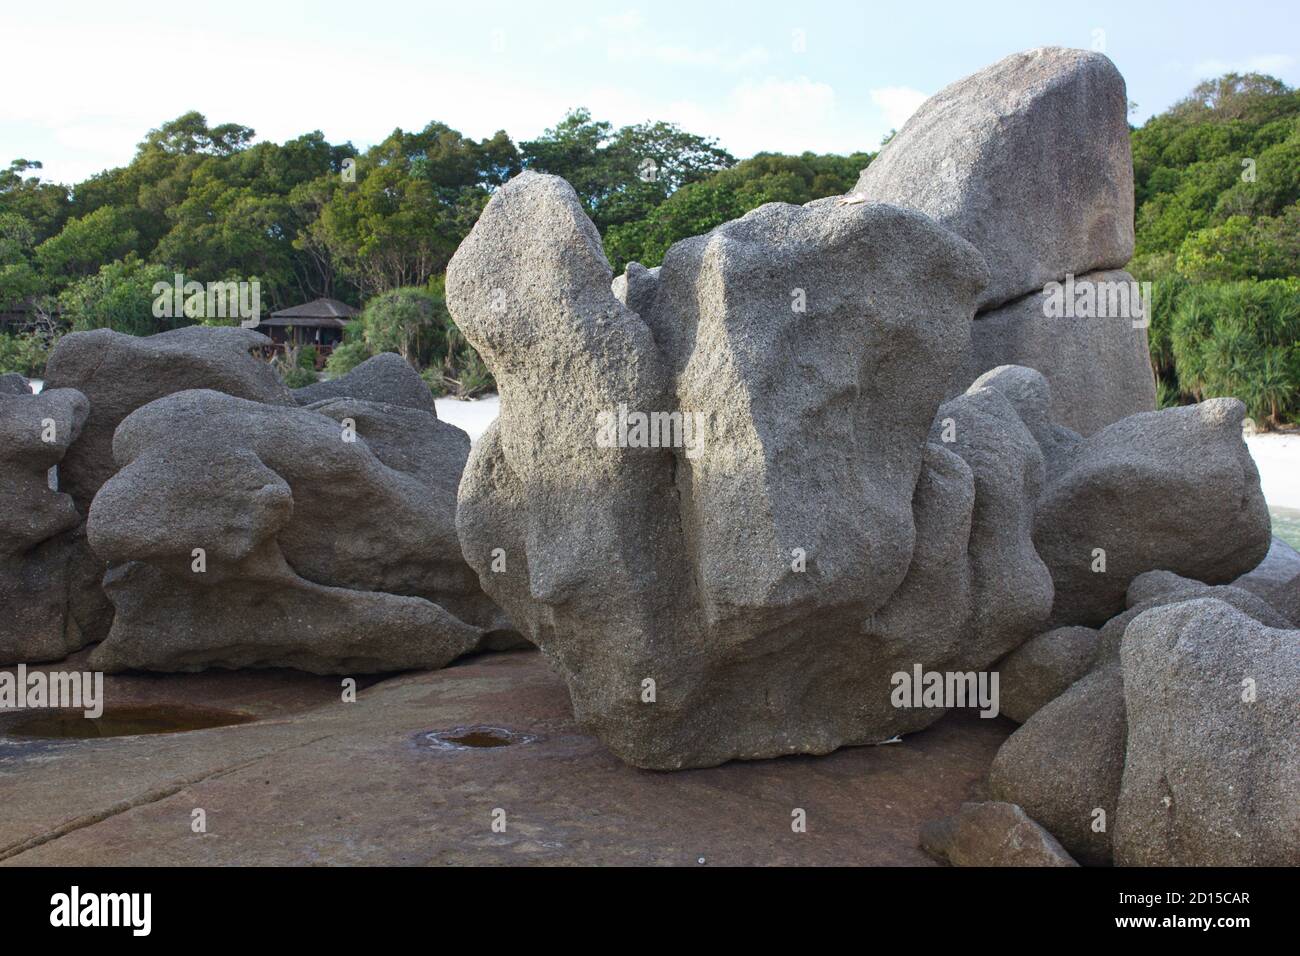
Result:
{"points": [[1218, 228]]}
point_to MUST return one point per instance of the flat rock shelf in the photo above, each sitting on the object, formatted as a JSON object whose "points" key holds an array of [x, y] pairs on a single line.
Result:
{"points": [[314, 780]]}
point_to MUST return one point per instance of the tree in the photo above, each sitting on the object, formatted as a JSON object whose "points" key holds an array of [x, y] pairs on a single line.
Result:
{"points": [[85, 243], [621, 175], [402, 320], [119, 296], [697, 207]]}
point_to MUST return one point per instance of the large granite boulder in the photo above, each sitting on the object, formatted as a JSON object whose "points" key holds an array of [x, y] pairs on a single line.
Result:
{"points": [[387, 378], [11, 383], [1043, 668], [1213, 756], [992, 834], [120, 373], [1064, 764], [39, 567], [1097, 364], [1174, 490], [1276, 579], [1029, 160], [242, 534], [1160, 588], [747, 585]]}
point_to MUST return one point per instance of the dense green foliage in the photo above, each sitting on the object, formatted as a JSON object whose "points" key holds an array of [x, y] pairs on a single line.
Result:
{"points": [[1217, 184], [1217, 188]]}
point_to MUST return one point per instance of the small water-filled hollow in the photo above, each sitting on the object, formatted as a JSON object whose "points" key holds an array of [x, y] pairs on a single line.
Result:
{"points": [[128, 720], [472, 738]]}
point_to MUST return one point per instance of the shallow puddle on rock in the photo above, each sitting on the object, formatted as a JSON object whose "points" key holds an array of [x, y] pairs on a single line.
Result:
{"points": [[471, 738], [126, 721]]}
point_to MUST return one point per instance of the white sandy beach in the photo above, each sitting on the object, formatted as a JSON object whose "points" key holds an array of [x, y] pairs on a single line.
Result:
{"points": [[1277, 455]]}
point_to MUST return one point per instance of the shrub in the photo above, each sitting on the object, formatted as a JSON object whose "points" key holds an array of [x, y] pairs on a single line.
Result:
{"points": [[24, 354], [1241, 339], [297, 377], [345, 358]]}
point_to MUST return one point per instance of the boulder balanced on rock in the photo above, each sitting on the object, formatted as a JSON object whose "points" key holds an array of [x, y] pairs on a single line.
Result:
{"points": [[1029, 160], [749, 589]]}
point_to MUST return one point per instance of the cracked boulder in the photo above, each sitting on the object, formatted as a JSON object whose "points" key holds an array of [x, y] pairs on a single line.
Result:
{"points": [[41, 572], [1028, 160], [1097, 363], [241, 534], [725, 518], [1213, 755]]}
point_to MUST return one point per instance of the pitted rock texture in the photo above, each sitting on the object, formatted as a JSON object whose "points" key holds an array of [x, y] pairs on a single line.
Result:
{"points": [[39, 527], [749, 591], [1029, 160], [1213, 755], [120, 373], [11, 383], [1043, 668], [327, 536]]}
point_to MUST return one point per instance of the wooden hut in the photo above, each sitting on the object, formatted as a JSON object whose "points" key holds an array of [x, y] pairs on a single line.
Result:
{"points": [[318, 324]]}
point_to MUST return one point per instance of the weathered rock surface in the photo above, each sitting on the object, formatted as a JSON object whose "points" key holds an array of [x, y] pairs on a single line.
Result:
{"points": [[321, 550], [1030, 395], [387, 378], [1064, 764], [1276, 579], [120, 373], [1042, 669], [1160, 588], [328, 782], [1173, 490], [39, 568], [741, 578], [1213, 703], [11, 383], [637, 287], [1098, 366], [1029, 160], [992, 834]]}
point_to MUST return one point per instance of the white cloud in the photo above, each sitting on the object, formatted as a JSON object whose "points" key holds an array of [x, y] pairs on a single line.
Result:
{"points": [[897, 103]]}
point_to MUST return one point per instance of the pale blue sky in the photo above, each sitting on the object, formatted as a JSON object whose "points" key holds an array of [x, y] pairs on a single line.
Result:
{"points": [[86, 80]]}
